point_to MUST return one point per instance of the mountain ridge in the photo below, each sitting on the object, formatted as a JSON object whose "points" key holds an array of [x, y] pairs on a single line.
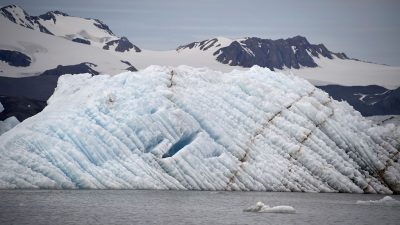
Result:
{"points": [[294, 52], [94, 30]]}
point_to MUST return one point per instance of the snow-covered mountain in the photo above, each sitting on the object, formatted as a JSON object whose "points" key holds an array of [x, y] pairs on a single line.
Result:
{"points": [[289, 53], [292, 55], [81, 30], [27, 52], [198, 129], [18, 16]]}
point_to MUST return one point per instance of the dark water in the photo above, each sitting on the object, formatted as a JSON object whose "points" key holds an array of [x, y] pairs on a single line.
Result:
{"points": [[186, 207]]}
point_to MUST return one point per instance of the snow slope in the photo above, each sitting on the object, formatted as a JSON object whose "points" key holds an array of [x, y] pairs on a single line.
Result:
{"points": [[195, 58], [48, 51], [186, 128], [199, 55], [71, 27], [350, 73]]}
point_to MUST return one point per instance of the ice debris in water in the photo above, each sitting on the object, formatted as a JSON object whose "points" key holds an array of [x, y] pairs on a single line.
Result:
{"points": [[262, 208], [199, 129], [8, 123], [387, 200]]}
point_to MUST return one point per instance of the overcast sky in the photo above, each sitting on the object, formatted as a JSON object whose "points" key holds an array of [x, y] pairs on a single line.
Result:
{"points": [[364, 29]]}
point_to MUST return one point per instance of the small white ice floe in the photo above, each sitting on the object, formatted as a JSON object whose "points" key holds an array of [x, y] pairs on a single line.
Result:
{"points": [[387, 200], [261, 207]]}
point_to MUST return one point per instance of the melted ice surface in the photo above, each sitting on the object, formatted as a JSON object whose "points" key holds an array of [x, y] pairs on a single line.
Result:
{"points": [[198, 129]]}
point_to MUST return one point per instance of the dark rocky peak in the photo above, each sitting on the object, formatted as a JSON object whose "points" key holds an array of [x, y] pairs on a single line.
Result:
{"points": [[56, 12], [188, 46], [7, 14], [298, 41], [321, 49], [202, 45], [10, 11], [301, 45], [51, 15], [42, 28], [130, 67], [11, 8], [122, 45], [341, 55], [292, 52], [85, 67], [48, 16], [81, 41], [102, 26], [208, 44], [274, 54]]}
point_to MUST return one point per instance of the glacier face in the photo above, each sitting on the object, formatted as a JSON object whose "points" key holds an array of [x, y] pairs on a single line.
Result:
{"points": [[198, 129]]}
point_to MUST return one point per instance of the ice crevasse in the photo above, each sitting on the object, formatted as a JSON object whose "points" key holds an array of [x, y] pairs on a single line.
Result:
{"points": [[198, 129]]}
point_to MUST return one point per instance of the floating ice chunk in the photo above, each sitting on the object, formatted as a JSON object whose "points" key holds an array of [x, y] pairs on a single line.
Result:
{"points": [[1, 108], [262, 208], [7, 124], [387, 200]]}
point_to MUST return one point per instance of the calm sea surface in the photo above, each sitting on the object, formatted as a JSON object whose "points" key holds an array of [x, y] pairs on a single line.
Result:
{"points": [[186, 207]]}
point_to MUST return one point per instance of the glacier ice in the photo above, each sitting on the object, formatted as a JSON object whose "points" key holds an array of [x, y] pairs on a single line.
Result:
{"points": [[198, 129], [262, 208]]}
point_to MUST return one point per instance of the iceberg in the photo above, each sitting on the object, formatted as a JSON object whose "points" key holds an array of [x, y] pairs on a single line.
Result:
{"points": [[197, 129], [386, 201], [8, 123], [262, 208]]}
